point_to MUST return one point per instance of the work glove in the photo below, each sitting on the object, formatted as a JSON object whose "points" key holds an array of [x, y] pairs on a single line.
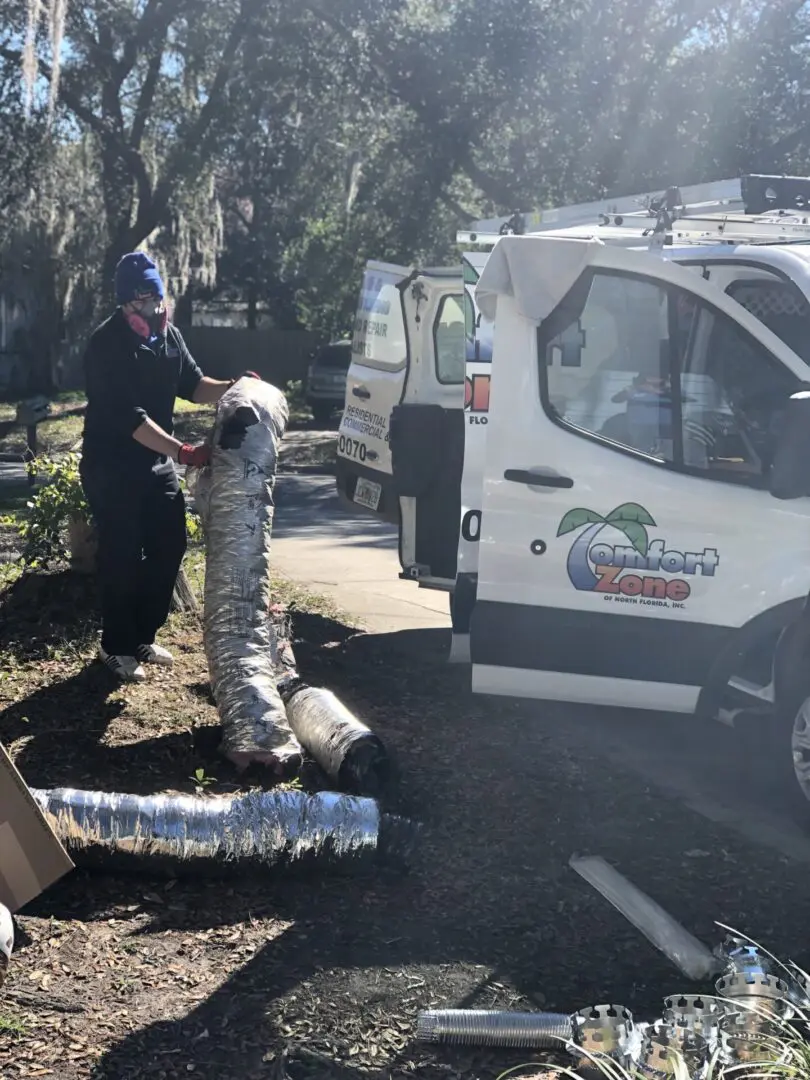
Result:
{"points": [[198, 456]]}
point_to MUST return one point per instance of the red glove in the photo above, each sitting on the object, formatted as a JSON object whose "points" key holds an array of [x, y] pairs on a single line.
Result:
{"points": [[198, 456]]}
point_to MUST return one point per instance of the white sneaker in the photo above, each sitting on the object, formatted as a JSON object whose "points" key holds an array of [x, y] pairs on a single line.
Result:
{"points": [[126, 668], [155, 654]]}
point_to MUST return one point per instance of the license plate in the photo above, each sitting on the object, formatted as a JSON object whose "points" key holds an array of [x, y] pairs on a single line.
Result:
{"points": [[367, 494]]}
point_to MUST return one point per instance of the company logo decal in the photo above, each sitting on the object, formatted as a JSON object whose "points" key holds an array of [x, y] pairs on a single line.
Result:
{"points": [[614, 556]]}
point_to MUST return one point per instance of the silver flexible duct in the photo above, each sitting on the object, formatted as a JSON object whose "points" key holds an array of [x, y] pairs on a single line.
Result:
{"points": [[347, 751], [235, 500], [488, 1027], [180, 832]]}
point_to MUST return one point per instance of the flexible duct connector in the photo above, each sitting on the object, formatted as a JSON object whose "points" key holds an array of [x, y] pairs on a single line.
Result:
{"points": [[234, 497], [489, 1027], [181, 833], [347, 751]]}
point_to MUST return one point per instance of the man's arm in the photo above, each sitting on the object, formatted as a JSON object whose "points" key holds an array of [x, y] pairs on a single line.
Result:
{"points": [[153, 437], [209, 391]]}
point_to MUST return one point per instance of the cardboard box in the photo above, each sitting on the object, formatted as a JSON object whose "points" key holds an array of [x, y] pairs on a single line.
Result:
{"points": [[31, 857]]}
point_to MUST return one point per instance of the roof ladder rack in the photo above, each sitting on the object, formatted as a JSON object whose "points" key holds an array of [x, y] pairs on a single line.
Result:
{"points": [[751, 209], [771, 228]]}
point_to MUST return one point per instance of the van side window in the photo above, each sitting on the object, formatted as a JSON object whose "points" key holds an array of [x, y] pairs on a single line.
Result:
{"points": [[781, 306], [656, 370], [450, 340], [607, 367]]}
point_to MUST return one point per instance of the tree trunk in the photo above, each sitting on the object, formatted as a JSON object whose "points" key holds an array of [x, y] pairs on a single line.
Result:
{"points": [[183, 309]]}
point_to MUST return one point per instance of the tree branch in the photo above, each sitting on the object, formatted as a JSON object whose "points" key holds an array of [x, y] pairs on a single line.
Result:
{"points": [[128, 155], [194, 146], [464, 215], [149, 28], [146, 98]]}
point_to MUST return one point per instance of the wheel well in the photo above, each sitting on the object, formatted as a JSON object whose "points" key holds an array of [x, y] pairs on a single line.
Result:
{"points": [[751, 650]]}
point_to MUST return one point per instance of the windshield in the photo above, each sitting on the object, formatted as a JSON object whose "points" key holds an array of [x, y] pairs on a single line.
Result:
{"points": [[334, 356]]}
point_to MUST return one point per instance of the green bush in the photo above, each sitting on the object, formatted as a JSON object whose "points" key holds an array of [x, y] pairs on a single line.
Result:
{"points": [[43, 526]]}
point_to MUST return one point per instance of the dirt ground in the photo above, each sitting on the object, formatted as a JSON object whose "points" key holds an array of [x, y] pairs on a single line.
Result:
{"points": [[319, 975]]}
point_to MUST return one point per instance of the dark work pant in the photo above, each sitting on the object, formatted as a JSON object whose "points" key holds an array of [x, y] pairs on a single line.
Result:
{"points": [[141, 524]]}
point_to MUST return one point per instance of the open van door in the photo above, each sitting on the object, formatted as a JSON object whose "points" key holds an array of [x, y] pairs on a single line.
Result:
{"points": [[401, 440], [374, 385], [630, 550], [427, 428]]}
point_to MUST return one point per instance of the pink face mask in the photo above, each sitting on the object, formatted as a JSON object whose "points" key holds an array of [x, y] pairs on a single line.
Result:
{"points": [[149, 320]]}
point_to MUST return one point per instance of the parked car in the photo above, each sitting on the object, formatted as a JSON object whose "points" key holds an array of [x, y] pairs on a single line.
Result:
{"points": [[326, 379]]}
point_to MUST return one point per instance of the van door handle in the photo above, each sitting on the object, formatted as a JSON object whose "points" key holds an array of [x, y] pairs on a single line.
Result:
{"points": [[537, 479], [361, 392]]}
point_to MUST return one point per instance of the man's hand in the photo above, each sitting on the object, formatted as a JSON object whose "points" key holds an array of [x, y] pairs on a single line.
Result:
{"points": [[198, 456]]}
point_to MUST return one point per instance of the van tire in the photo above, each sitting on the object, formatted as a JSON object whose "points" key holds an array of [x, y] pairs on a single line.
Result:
{"points": [[798, 794], [792, 701]]}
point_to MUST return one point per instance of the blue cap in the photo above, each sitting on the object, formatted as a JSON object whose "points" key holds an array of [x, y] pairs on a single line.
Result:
{"points": [[136, 274]]}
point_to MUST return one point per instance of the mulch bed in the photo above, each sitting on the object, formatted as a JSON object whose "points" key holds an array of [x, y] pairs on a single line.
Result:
{"points": [[317, 975]]}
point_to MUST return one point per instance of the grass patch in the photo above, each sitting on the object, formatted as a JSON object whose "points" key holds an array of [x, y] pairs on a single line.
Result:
{"points": [[294, 597], [58, 434], [12, 1025]]}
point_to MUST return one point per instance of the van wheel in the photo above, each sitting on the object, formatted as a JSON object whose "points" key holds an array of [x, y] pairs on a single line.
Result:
{"points": [[796, 733], [790, 747]]}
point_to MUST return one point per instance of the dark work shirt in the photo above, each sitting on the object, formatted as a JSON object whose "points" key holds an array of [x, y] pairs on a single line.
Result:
{"points": [[126, 382]]}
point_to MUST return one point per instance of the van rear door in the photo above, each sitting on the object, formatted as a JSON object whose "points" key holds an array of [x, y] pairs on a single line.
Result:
{"points": [[427, 428], [374, 385]]}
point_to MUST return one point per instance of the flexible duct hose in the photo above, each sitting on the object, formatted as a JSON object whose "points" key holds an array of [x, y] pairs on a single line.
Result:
{"points": [[234, 497], [178, 834]]}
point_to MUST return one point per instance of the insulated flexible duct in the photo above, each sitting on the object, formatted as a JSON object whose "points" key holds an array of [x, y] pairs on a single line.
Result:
{"points": [[178, 834], [347, 751], [234, 498]]}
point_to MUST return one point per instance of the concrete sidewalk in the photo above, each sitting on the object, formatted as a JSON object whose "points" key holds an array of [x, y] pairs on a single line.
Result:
{"points": [[350, 557]]}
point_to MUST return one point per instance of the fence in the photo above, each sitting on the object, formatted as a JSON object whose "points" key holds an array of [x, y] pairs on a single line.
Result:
{"points": [[279, 356]]}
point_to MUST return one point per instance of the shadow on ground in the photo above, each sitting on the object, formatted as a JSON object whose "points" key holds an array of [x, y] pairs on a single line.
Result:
{"points": [[42, 613], [489, 914]]}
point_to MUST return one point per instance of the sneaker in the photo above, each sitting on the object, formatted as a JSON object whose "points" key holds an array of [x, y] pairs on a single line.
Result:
{"points": [[155, 654], [126, 668]]}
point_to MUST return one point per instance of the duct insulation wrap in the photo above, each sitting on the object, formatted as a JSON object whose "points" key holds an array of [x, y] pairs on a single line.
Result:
{"points": [[182, 834], [234, 497], [347, 751]]}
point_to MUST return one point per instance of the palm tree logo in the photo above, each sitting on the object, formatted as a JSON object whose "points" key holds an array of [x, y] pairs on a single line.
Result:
{"points": [[629, 518]]}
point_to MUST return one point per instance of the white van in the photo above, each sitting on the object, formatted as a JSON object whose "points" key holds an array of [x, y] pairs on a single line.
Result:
{"points": [[436, 551], [631, 552], [633, 410]]}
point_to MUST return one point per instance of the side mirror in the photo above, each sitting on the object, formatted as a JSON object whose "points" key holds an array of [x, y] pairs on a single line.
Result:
{"points": [[790, 470]]}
